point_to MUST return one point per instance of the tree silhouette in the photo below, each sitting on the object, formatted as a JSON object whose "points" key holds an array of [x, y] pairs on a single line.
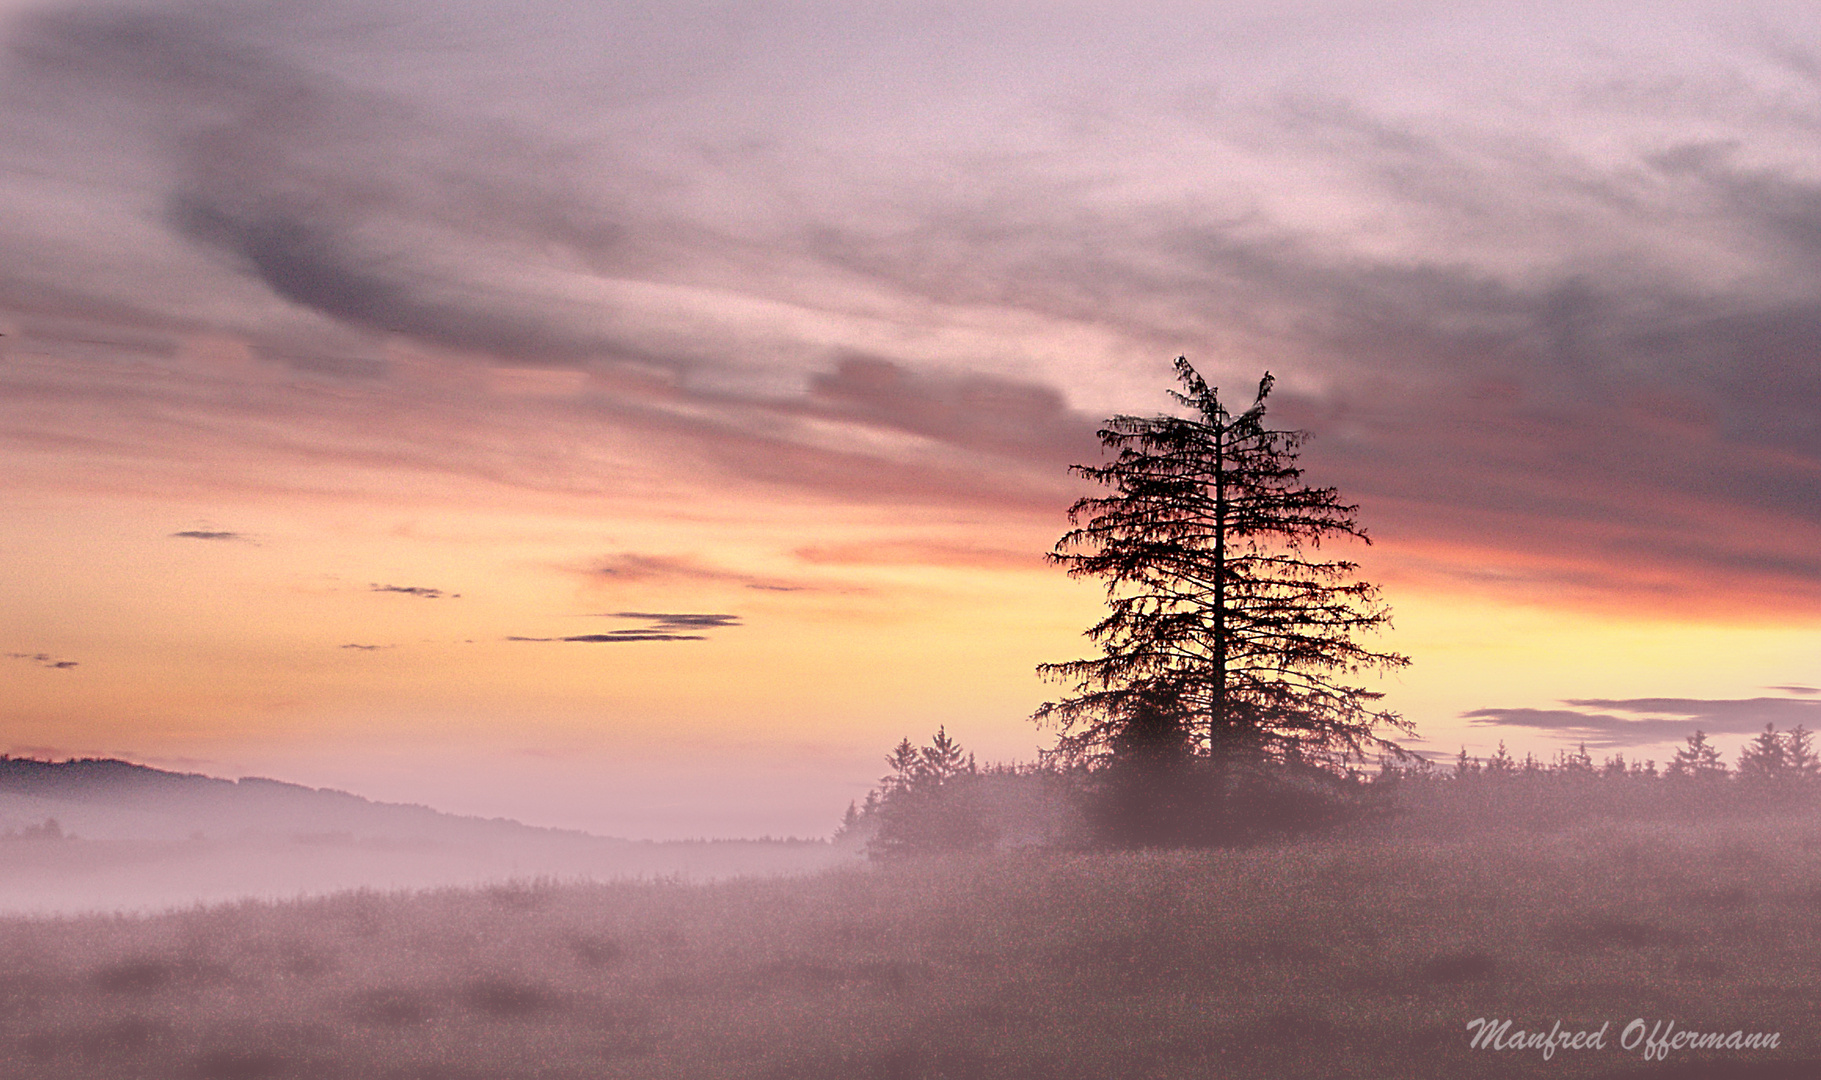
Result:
{"points": [[1699, 760], [1763, 758], [1799, 753], [928, 802], [1226, 638], [1775, 756]]}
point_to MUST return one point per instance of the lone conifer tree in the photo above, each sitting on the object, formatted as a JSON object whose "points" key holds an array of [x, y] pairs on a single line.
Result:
{"points": [[1226, 639]]}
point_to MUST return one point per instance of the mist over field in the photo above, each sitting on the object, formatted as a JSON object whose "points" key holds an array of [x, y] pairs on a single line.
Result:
{"points": [[1568, 904]]}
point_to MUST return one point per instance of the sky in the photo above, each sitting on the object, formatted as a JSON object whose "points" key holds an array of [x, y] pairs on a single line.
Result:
{"points": [[639, 416]]}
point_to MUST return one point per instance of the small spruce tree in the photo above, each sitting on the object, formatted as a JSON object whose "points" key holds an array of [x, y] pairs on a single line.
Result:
{"points": [[1699, 760], [928, 802], [1799, 753], [1764, 759]]}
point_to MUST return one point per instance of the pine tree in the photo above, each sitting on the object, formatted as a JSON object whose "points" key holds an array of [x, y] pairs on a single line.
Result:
{"points": [[928, 802], [1500, 763], [1698, 760], [1578, 765], [1226, 638], [1764, 757], [1799, 753]]}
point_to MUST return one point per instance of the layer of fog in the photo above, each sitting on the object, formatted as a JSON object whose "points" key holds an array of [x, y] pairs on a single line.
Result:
{"points": [[133, 839]]}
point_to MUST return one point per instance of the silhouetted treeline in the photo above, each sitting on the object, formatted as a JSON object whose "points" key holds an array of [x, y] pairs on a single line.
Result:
{"points": [[1775, 771], [938, 799]]}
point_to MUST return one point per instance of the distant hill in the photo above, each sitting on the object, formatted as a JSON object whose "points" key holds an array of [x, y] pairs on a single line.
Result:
{"points": [[129, 836], [115, 799]]}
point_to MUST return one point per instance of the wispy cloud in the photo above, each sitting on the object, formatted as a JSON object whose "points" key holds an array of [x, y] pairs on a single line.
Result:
{"points": [[247, 130], [618, 636], [662, 626], [1590, 365], [921, 553], [366, 648], [210, 534], [1637, 721], [631, 567], [44, 660], [675, 621], [419, 591]]}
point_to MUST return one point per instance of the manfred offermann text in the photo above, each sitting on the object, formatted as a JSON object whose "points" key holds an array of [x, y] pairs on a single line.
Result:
{"points": [[1653, 1039]]}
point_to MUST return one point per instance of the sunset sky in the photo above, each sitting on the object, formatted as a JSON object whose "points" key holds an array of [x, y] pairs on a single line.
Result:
{"points": [[639, 416]]}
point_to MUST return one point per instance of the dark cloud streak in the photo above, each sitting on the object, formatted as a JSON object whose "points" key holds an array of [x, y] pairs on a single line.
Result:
{"points": [[44, 660], [1653, 720], [676, 621], [419, 591], [634, 635], [307, 183], [663, 626], [624, 635]]}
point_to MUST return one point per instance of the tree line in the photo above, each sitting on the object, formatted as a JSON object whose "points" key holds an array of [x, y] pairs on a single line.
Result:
{"points": [[1771, 756], [936, 798]]}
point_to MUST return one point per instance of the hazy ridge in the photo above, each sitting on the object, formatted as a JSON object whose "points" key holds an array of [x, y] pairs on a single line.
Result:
{"points": [[133, 837]]}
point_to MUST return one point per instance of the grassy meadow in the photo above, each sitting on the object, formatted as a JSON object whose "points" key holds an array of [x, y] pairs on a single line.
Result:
{"points": [[1362, 956]]}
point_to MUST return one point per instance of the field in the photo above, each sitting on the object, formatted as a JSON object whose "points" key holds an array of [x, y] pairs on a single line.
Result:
{"points": [[1334, 957]]}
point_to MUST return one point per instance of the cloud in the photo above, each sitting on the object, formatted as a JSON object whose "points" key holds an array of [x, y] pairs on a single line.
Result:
{"points": [[663, 626], [367, 648], [1014, 418], [44, 660], [355, 203], [419, 591], [634, 567], [670, 621], [209, 534], [1582, 368], [921, 553], [635, 635], [1653, 720], [618, 636]]}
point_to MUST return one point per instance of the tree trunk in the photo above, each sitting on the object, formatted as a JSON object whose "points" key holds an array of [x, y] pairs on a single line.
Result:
{"points": [[1217, 719]]}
